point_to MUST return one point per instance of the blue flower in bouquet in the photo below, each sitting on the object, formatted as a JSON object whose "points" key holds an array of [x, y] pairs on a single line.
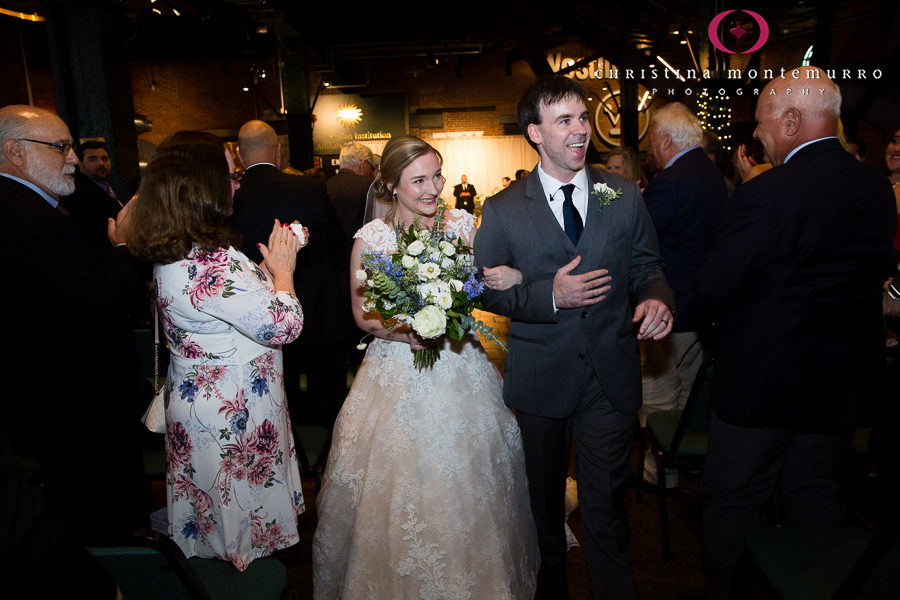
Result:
{"points": [[473, 287]]}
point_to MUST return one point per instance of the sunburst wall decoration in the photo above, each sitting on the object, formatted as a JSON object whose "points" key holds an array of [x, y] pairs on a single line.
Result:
{"points": [[349, 114]]}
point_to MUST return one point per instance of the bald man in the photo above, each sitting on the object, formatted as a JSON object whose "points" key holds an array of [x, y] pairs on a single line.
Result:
{"points": [[71, 400], [266, 194], [794, 283]]}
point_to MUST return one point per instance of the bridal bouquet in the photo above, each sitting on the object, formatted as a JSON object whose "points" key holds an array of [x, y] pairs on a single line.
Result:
{"points": [[429, 283]]}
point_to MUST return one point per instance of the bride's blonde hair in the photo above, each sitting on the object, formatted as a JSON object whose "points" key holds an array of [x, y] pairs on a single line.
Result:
{"points": [[398, 154]]}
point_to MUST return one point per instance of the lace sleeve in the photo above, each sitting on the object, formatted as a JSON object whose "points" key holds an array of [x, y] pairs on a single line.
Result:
{"points": [[378, 235], [461, 222]]}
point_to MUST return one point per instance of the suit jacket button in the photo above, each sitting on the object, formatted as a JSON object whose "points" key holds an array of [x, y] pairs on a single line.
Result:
{"points": [[584, 314], [581, 356]]}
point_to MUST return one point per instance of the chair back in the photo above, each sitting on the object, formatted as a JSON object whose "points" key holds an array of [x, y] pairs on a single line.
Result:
{"points": [[695, 417], [148, 565]]}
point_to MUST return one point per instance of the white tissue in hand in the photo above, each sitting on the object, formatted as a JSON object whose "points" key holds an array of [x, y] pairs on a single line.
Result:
{"points": [[297, 228]]}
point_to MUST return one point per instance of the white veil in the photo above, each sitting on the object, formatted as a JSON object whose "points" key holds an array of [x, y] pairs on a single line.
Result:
{"points": [[375, 208]]}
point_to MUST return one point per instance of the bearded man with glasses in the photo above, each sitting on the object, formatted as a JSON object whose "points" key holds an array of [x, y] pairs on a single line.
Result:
{"points": [[69, 398]]}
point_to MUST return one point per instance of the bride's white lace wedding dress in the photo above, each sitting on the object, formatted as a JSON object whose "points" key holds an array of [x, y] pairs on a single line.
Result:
{"points": [[425, 494]]}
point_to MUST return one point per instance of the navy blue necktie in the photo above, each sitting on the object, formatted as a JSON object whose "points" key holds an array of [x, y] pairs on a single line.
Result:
{"points": [[571, 219]]}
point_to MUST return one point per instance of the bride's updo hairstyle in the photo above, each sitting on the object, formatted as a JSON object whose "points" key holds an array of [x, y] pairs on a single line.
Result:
{"points": [[398, 154]]}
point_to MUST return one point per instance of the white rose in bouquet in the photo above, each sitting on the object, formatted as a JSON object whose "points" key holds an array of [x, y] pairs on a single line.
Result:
{"points": [[447, 248], [456, 284], [408, 261], [444, 300], [429, 270], [360, 275], [416, 248], [447, 263], [430, 322]]}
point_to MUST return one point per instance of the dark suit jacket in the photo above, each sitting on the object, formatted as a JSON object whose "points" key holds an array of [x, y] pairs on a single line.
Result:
{"points": [[685, 202], [794, 282], [347, 192], [267, 194], [465, 202], [71, 395], [518, 229], [90, 206]]}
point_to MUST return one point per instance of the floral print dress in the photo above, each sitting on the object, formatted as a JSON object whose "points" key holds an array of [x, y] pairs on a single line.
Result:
{"points": [[232, 481]]}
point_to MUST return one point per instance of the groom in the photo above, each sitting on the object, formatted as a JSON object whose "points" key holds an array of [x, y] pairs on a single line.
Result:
{"points": [[573, 366]]}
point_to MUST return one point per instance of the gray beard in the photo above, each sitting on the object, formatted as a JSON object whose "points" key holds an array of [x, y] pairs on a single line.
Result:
{"points": [[55, 182]]}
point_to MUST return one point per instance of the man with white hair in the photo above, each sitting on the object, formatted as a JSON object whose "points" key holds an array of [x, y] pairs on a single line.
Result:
{"points": [[72, 402], [347, 190], [794, 282], [685, 201]]}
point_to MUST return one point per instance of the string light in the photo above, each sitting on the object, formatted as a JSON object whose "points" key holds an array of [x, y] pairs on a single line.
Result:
{"points": [[715, 115]]}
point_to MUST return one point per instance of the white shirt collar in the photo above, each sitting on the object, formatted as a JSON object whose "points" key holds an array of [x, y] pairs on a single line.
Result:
{"points": [[801, 146], [554, 196], [50, 199], [260, 163], [551, 184]]}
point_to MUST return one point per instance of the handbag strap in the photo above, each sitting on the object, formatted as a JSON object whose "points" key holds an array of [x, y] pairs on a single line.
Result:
{"points": [[155, 349]]}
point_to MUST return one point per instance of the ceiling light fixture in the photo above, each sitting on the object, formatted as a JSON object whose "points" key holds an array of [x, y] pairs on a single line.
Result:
{"points": [[670, 67]]}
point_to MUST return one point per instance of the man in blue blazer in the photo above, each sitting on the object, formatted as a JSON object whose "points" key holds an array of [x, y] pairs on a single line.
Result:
{"points": [[591, 271], [685, 201], [794, 282]]}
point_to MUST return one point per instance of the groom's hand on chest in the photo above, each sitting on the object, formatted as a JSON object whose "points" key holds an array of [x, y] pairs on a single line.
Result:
{"points": [[575, 291]]}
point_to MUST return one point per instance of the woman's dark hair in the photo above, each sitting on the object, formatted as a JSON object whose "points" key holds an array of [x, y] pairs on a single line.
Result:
{"points": [[185, 199]]}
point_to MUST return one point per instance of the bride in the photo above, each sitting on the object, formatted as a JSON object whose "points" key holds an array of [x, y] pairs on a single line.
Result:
{"points": [[425, 494]]}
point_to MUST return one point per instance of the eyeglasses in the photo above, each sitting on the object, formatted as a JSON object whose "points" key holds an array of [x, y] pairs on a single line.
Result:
{"points": [[61, 148]]}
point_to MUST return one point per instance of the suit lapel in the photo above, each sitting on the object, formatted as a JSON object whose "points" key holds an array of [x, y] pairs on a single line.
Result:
{"points": [[546, 223], [595, 235]]}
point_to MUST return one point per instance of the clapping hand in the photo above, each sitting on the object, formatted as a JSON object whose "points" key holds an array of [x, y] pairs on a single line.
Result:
{"points": [[117, 229], [280, 255]]}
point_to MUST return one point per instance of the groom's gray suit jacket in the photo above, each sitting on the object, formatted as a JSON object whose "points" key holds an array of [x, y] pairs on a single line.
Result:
{"points": [[549, 351]]}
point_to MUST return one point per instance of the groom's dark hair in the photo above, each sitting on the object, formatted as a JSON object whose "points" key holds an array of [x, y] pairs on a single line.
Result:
{"points": [[549, 89]]}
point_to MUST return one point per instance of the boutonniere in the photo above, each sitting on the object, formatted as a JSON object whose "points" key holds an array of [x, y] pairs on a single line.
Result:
{"points": [[605, 195]]}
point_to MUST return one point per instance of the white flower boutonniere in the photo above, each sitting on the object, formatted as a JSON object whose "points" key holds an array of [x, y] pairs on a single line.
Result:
{"points": [[605, 195]]}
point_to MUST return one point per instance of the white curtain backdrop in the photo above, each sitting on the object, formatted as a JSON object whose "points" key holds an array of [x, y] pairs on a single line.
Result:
{"points": [[484, 160]]}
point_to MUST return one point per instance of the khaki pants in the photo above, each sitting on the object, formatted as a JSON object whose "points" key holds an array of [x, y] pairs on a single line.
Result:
{"points": [[668, 369]]}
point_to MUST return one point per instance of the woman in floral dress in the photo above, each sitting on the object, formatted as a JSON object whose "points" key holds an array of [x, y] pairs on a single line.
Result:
{"points": [[232, 481]]}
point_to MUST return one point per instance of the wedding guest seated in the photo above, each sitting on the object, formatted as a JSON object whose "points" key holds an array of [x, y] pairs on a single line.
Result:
{"points": [[232, 482]]}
